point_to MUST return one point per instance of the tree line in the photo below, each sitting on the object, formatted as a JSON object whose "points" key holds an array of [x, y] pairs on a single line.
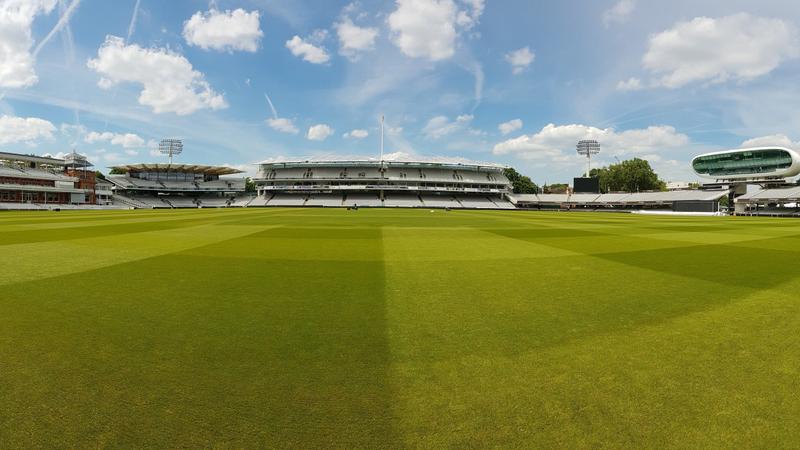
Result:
{"points": [[633, 175]]}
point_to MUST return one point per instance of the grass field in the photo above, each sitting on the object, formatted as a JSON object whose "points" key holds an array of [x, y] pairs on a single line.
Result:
{"points": [[397, 328]]}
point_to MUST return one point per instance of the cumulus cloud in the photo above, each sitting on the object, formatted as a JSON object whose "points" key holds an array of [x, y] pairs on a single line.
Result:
{"points": [[170, 83], [777, 140], [16, 60], [356, 134], [619, 13], [27, 130], [510, 126], [429, 28], [354, 39], [441, 126], [737, 47], [283, 125], [319, 132], [236, 30], [631, 84], [520, 59], [126, 140], [557, 142], [310, 48]]}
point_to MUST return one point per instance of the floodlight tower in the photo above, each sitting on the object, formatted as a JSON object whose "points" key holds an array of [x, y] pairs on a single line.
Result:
{"points": [[588, 148], [171, 147]]}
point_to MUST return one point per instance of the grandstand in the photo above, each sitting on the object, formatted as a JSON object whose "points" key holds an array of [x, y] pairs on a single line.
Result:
{"points": [[374, 183], [773, 201], [681, 201], [34, 182], [175, 186]]}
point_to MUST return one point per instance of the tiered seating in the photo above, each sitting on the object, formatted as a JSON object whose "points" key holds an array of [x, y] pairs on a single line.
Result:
{"points": [[440, 201], [20, 206], [243, 201], [214, 202], [776, 195], [121, 200], [181, 202], [286, 200], [34, 174], [402, 201], [326, 200], [151, 202], [476, 202], [368, 200], [503, 204], [622, 199]]}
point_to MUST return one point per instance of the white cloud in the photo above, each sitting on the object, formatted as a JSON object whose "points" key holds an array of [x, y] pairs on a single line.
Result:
{"points": [[16, 60], [170, 83], [283, 125], [469, 18], [520, 59], [429, 28], [224, 30], [619, 13], [354, 39], [631, 84], [441, 126], [356, 134], [510, 126], [305, 48], [28, 130], [126, 140], [777, 140], [319, 132], [738, 47], [557, 142]]}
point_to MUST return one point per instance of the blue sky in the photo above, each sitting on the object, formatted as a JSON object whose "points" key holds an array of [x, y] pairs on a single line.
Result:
{"points": [[512, 82]]}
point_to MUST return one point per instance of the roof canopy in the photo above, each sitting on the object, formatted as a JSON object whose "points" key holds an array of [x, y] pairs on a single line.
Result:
{"points": [[182, 168], [410, 163], [31, 158]]}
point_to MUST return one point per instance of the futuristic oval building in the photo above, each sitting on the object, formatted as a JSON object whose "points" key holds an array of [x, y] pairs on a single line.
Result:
{"points": [[758, 163]]}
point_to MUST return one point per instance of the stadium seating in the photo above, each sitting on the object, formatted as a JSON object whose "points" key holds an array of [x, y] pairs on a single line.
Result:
{"points": [[440, 201], [214, 202], [286, 200], [476, 202], [326, 200], [402, 201], [20, 206], [367, 200], [242, 201]]}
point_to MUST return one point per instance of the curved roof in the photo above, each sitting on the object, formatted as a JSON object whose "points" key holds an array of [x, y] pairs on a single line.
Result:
{"points": [[182, 168], [748, 163], [457, 163]]}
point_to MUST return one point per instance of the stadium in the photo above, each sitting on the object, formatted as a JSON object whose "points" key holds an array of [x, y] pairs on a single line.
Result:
{"points": [[175, 185], [361, 303], [376, 183]]}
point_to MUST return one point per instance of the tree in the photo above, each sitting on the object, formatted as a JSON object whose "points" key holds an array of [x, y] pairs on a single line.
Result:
{"points": [[633, 175], [249, 185], [117, 171], [555, 188], [99, 175], [520, 183]]}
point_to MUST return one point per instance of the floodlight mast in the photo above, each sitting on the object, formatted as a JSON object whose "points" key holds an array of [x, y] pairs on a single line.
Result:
{"points": [[382, 122], [170, 147], [587, 148]]}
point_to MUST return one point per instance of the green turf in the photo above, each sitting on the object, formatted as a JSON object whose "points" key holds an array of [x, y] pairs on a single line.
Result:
{"points": [[385, 328]]}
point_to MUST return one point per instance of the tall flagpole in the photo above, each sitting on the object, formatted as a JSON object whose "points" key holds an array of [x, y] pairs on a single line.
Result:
{"points": [[382, 120]]}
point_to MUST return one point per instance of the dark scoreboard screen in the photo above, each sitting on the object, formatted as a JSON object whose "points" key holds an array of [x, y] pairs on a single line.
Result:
{"points": [[587, 185]]}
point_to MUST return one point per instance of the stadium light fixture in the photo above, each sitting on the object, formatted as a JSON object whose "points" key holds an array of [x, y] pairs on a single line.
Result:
{"points": [[587, 148], [170, 147]]}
